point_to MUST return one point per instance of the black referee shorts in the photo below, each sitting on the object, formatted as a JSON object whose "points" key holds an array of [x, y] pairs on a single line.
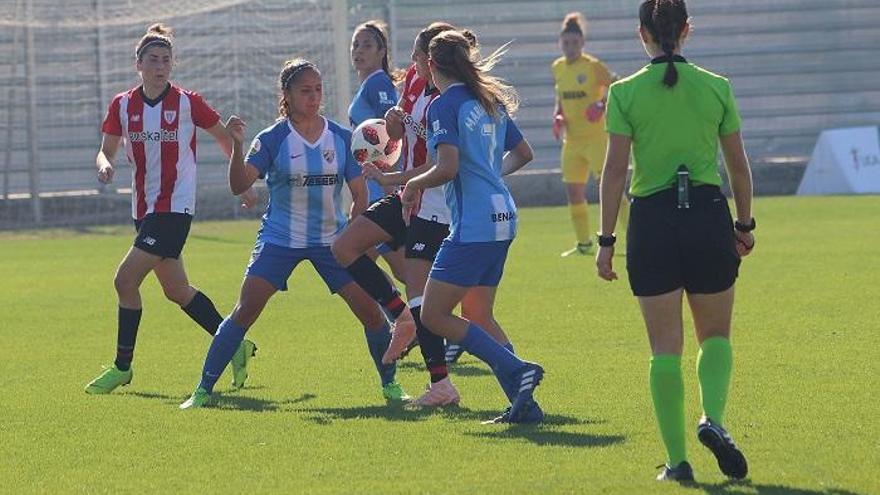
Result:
{"points": [[668, 248], [387, 213], [162, 234]]}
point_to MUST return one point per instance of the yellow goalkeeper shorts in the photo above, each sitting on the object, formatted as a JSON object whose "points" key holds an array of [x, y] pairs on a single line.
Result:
{"points": [[582, 156]]}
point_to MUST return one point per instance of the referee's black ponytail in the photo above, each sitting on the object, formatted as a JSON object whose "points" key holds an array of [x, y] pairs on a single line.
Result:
{"points": [[665, 20]]}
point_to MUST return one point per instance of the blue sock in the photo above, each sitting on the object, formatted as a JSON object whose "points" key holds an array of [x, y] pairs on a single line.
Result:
{"points": [[226, 341], [507, 384], [377, 343], [503, 362]]}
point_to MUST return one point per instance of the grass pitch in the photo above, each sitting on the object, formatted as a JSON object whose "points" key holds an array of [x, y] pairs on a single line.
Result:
{"points": [[803, 403]]}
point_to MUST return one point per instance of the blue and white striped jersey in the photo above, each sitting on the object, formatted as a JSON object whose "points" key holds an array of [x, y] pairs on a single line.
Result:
{"points": [[482, 207], [305, 183]]}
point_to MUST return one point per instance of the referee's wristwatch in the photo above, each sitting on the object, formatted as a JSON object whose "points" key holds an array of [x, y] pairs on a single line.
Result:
{"points": [[606, 240], [745, 227]]}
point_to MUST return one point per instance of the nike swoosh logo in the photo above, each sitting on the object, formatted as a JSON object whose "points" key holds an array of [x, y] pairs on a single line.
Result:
{"points": [[293, 157]]}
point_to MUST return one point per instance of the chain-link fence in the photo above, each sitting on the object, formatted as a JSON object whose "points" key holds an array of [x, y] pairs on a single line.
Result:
{"points": [[798, 66]]}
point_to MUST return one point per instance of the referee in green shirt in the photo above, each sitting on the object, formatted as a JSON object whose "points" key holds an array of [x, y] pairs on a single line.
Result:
{"points": [[680, 238]]}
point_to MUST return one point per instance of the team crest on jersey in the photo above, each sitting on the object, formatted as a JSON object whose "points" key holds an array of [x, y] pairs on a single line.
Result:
{"points": [[136, 117], [255, 146], [170, 115], [582, 78], [329, 155], [383, 98]]}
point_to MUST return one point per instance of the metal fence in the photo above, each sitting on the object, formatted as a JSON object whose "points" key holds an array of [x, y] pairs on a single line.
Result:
{"points": [[797, 66]]}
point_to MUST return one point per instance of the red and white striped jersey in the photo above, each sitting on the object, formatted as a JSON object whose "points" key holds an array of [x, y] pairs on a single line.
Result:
{"points": [[160, 143], [415, 101]]}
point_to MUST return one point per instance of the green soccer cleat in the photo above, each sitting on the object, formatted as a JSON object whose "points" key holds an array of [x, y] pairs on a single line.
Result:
{"points": [[200, 398], [240, 360], [393, 392], [109, 380], [582, 249]]}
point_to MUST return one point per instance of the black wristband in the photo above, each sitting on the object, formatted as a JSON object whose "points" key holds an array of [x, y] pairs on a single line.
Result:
{"points": [[606, 240], [745, 228]]}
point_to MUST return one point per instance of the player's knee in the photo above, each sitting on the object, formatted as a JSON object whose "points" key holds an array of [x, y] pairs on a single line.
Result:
{"points": [[341, 251], [124, 284]]}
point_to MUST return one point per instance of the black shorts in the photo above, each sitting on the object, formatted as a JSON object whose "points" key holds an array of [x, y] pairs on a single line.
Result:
{"points": [[424, 237], [668, 248], [162, 234], [387, 213]]}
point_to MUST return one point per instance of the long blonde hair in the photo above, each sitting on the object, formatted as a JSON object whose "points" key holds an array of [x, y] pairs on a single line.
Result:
{"points": [[455, 57]]}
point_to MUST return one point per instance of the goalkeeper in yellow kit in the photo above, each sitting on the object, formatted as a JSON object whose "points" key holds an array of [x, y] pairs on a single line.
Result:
{"points": [[579, 120]]}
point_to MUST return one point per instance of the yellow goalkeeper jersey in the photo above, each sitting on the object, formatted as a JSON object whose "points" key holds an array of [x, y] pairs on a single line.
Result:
{"points": [[579, 85]]}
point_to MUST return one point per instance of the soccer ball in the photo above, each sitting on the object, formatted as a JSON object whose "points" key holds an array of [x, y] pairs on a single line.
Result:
{"points": [[370, 144]]}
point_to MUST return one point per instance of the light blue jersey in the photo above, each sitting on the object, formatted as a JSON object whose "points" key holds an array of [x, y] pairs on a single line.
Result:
{"points": [[481, 205], [305, 183], [374, 97]]}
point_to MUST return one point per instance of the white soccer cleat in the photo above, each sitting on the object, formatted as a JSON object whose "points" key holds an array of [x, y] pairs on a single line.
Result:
{"points": [[442, 393]]}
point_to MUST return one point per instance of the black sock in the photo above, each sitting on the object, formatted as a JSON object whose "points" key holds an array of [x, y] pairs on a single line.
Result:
{"points": [[129, 319], [370, 277], [203, 312], [432, 347]]}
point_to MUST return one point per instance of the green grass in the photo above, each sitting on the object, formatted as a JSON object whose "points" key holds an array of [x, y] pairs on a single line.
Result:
{"points": [[803, 403]]}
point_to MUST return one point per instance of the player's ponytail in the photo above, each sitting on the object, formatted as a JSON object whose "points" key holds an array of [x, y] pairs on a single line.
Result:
{"points": [[379, 30], [574, 23], [157, 34], [289, 74], [426, 35], [665, 20], [452, 54]]}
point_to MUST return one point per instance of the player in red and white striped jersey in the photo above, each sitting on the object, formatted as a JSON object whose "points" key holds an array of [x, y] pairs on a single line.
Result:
{"points": [[423, 231], [157, 121]]}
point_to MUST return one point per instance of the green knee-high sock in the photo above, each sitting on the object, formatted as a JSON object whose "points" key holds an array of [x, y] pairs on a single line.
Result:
{"points": [[667, 390], [714, 364]]}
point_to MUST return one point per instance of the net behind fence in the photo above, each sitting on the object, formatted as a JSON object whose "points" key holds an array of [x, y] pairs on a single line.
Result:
{"points": [[798, 66]]}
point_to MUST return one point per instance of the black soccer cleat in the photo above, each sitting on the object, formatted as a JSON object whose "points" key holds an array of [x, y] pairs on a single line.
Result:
{"points": [[731, 460], [681, 473]]}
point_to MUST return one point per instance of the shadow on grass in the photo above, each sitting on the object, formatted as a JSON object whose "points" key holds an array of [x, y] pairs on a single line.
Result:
{"points": [[457, 369], [230, 401], [329, 415], [168, 399], [746, 487], [255, 404], [543, 436]]}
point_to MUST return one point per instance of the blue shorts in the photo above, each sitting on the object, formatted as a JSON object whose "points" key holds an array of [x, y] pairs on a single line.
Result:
{"points": [[470, 264], [275, 264]]}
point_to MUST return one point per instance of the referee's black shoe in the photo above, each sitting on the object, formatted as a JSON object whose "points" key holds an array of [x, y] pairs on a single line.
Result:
{"points": [[680, 473], [731, 461]]}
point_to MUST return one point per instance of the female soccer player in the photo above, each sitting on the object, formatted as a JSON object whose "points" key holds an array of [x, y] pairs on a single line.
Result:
{"points": [[157, 121], [581, 84], [375, 96], [427, 227], [470, 130], [305, 158], [680, 237]]}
